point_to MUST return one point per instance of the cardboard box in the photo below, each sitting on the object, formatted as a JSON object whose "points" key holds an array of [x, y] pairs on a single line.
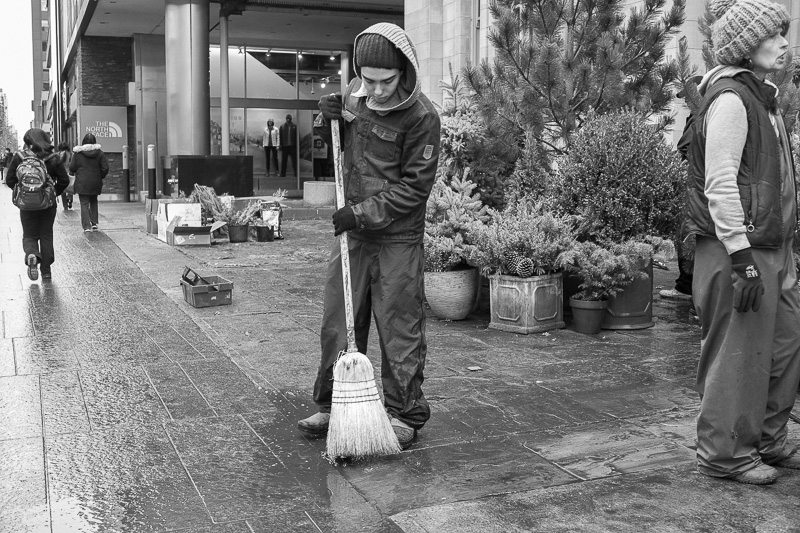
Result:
{"points": [[218, 291], [192, 235]]}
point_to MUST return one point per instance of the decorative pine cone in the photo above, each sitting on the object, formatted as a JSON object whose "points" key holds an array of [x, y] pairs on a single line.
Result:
{"points": [[512, 258], [525, 267]]}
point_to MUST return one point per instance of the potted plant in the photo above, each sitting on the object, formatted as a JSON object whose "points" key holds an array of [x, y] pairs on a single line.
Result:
{"points": [[603, 271], [264, 232], [451, 284], [624, 182], [237, 220], [518, 250]]}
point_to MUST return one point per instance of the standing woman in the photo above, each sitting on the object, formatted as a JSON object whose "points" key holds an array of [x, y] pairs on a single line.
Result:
{"points": [[742, 208], [37, 226], [90, 166]]}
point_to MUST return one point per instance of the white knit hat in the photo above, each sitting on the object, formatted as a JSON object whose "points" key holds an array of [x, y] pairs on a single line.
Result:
{"points": [[742, 25]]}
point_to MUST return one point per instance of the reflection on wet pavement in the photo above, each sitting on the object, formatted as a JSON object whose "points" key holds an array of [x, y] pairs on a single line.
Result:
{"points": [[124, 409]]}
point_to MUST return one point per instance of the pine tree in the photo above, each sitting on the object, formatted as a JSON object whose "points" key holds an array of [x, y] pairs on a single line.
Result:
{"points": [[557, 60]]}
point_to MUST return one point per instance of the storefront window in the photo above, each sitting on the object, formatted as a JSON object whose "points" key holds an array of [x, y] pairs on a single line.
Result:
{"points": [[319, 73], [271, 74]]}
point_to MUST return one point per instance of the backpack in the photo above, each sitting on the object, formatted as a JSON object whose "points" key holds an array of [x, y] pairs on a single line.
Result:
{"points": [[35, 189]]}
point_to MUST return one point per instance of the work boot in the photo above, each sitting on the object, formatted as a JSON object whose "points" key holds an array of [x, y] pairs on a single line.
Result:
{"points": [[405, 433], [33, 270], [760, 475], [315, 426], [792, 461]]}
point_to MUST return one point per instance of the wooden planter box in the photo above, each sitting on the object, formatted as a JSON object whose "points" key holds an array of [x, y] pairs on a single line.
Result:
{"points": [[527, 305]]}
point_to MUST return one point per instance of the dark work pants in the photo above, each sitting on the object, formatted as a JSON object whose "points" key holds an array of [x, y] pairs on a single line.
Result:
{"points": [[684, 282], [286, 153], [272, 157], [749, 362], [89, 213], [37, 235], [388, 284]]}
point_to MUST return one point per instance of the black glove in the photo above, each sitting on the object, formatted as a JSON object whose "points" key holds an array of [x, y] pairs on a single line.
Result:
{"points": [[747, 284], [343, 220], [331, 106]]}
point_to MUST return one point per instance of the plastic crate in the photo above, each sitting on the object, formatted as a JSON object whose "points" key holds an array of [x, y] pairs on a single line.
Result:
{"points": [[209, 291]]}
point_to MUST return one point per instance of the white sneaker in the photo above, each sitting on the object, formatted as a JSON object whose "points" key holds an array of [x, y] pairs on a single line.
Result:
{"points": [[674, 294]]}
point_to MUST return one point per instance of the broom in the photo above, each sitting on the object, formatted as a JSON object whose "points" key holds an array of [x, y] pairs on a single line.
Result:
{"points": [[359, 426]]}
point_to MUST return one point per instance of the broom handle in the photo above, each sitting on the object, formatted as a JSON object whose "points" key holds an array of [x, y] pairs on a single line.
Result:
{"points": [[344, 247]]}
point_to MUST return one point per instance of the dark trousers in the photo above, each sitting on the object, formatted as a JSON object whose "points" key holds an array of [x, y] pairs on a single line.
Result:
{"points": [[684, 282], [387, 284], [272, 157], [66, 200], [88, 210], [286, 153], [37, 235]]}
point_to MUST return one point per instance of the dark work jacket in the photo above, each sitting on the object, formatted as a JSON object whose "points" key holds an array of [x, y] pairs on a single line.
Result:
{"points": [[759, 177], [389, 166], [90, 166], [54, 166]]}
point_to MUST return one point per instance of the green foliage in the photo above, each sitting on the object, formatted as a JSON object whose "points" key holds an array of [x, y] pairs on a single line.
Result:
{"points": [[465, 145], [452, 212], [622, 179], [604, 270], [523, 230], [237, 217], [555, 61]]}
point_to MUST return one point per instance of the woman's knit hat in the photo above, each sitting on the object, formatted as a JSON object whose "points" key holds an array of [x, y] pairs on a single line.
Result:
{"points": [[373, 50], [742, 25]]}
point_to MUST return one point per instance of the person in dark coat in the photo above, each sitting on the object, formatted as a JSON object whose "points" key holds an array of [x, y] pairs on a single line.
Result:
{"points": [[65, 155], [288, 144], [37, 226], [90, 166]]}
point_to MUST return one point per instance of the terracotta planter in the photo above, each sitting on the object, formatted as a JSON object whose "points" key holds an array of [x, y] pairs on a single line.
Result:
{"points": [[238, 233], [587, 315], [632, 307], [526, 305], [451, 295]]}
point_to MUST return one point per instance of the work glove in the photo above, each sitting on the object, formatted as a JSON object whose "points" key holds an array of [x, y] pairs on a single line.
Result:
{"points": [[747, 284], [331, 106], [343, 220]]}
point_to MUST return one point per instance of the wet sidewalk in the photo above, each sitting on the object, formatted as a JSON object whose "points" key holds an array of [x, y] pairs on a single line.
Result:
{"points": [[122, 408]]}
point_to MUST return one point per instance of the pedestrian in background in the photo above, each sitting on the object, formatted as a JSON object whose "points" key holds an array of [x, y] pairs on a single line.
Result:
{"points": [[65, 155], [90, 166], [742, 207], [37, 226], [271, 142], [7, 159], [288, 142], [391, 140]]}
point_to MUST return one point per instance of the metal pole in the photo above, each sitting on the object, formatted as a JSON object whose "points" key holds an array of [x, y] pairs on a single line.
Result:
{"points": [[224, 86], [151, 172], [126, 173]]}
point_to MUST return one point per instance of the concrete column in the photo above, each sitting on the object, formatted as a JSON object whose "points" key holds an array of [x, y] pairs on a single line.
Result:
{"points": [[224, 85], [188, 101]]}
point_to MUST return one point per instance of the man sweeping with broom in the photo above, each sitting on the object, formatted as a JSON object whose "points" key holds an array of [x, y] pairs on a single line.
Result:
{"points": [[390, 133]]}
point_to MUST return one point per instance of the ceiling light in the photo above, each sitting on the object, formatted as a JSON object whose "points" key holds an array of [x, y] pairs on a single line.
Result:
{"points": [[333, 57]]}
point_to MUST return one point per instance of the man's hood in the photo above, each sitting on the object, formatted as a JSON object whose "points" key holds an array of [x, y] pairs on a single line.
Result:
{"points": [[89, 150], [409, 87]]}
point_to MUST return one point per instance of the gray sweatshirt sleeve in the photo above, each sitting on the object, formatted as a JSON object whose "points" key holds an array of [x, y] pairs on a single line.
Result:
{"points": [[726, 134]]}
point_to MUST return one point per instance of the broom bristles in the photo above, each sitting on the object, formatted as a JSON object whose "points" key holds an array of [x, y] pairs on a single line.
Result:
{"points": [[359, 426]]}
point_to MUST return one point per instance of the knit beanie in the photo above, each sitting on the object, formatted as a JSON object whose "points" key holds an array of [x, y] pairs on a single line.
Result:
{"points": [[373, 50], [742, 25]]}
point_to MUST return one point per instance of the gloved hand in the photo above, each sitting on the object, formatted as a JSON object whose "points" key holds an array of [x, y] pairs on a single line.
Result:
{"points": [[747, 284], [343, 220], [331, 106]]}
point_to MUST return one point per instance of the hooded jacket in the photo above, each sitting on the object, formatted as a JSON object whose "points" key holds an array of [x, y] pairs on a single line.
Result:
{"points": [[756, 206], [391, 151], [90, 166]]}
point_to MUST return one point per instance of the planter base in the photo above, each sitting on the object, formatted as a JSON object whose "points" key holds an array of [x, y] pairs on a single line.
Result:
{"points": [[632, 307], [451, 295], [527, 305]]}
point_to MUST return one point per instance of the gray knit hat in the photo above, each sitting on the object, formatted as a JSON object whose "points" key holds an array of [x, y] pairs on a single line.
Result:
{"points": [[373, 50], [742, 25]]}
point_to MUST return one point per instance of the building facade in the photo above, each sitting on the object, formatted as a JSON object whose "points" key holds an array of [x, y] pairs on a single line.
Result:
{"points": [[166, 78]]}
